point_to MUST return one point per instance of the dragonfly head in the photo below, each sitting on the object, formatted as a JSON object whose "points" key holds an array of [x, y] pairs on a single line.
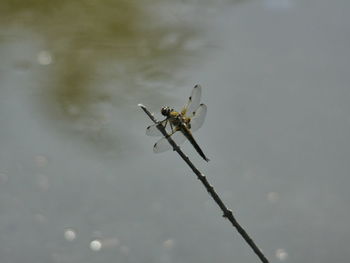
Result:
{"points": [[165, 111]]}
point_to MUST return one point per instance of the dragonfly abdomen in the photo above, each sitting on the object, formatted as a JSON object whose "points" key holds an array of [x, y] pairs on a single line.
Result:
{"points": [[189, 136]]}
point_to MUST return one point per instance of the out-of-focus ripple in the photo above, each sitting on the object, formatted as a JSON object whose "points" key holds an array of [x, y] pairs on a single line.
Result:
{"points": [[281, 254], [169, 244], [44, 58], [41, 161], [70, 234], [96, 245], [273, 197]]}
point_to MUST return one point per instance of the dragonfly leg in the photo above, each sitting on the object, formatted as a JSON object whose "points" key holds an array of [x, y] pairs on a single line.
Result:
{"points": [[172, 127], [164, 125]]}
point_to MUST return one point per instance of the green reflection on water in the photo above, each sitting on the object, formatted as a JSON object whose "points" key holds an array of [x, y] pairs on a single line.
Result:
{"points": [[87, 37], [106, 51]]}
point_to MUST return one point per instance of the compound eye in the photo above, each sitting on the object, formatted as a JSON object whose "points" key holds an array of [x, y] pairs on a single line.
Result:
{"points": [[165, 111]]}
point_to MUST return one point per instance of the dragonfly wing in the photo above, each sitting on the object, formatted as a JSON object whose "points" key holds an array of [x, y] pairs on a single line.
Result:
{"points": [[152, 130], [198, 117], [163, 145], [193, 101]]}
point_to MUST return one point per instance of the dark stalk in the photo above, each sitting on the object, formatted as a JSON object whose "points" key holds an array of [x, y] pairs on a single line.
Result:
{"points": [[227, 213]]}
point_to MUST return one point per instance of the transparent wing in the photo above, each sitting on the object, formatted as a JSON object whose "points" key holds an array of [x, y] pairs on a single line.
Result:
{"points": [[153, 130], [163, 145], [193, 101], [198, 117]]}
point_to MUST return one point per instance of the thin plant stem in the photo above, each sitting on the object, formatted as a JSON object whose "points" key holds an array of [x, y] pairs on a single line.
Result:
{"points": [[227, 213]]}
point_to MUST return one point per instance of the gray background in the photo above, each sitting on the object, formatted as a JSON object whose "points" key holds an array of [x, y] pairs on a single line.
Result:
{"points": [[76, 166]]}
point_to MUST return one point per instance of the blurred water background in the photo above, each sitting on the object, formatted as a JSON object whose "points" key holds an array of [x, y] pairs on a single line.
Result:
{"points": [[78, 179]]}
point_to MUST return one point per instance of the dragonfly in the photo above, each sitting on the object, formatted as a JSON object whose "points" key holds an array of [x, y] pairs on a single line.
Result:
{"points": [[180, 125]]}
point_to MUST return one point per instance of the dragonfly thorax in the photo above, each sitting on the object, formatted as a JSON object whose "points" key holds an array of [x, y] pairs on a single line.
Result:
{"points": [[175, 118]]}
